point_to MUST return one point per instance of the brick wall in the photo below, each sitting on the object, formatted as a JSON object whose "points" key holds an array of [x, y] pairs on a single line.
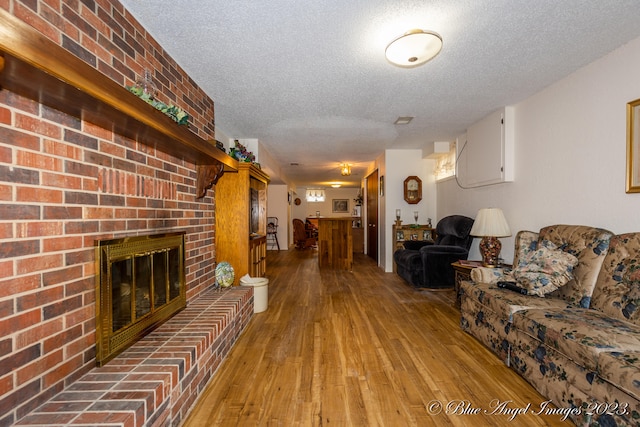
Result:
{"points": [[65, 183]]}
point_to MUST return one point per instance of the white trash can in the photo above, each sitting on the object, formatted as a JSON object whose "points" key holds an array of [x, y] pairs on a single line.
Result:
{"points": [[260, 291]]}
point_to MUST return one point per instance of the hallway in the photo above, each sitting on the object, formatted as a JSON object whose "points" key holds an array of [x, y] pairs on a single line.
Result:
{"points": [[360, 348]]}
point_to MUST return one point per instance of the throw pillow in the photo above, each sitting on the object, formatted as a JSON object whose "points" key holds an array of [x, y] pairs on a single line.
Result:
{"points": [[545, 269]]}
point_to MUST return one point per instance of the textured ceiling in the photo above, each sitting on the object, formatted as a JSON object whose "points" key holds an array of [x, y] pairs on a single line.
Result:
{"points": [[309, 79]]}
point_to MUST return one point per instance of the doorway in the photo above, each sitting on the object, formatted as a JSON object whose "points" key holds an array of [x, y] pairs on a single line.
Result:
{"points": [[372, 215]]}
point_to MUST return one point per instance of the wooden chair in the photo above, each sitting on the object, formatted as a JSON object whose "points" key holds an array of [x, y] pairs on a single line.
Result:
{"points": [[272, 232], [301, 237]]}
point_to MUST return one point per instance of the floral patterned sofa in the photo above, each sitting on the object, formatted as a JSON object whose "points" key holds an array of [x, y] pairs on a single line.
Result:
{"points": [[578, 345]]}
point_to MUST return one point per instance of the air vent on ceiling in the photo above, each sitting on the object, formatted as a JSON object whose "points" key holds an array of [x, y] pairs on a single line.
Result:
{"points": [[403, 120]]}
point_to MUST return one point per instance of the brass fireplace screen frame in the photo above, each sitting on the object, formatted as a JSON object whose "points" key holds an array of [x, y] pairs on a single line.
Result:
{"points": [[154, 253]]}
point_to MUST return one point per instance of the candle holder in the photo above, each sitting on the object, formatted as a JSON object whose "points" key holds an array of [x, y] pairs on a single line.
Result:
{"points": [[398, 220]]}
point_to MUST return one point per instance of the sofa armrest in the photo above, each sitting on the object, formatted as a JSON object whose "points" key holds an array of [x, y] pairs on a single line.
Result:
{"points": [[436, 262], [491, 275], [435, 253]]}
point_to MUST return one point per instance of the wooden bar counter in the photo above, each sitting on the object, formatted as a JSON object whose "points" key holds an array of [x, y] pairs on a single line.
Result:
{"points": [[335, 243]]}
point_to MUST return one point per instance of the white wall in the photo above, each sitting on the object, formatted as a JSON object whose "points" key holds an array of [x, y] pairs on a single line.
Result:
{"points": [[570, 155], [277, 206], [398, 165]]}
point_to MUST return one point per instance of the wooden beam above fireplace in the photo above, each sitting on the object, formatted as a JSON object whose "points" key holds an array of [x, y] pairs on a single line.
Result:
{"points": [[35, 67]]}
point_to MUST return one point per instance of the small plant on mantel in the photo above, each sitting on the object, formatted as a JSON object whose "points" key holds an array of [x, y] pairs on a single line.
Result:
{"points": [[241, 154], [146, 90]]}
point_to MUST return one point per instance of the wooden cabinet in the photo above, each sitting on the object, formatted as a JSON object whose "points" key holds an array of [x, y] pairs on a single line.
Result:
{"points": [[402, 233], [241, 220], [258, 256], [411, 232]]}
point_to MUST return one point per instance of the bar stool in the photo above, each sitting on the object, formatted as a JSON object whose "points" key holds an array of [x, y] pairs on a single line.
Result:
{"points": [[272, 232]]}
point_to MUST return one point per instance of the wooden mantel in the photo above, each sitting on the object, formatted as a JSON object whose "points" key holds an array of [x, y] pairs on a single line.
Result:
{"points": [[35, 67]]}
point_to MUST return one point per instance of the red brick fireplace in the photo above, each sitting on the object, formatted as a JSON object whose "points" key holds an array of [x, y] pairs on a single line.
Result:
{"points": [[66, 183]]}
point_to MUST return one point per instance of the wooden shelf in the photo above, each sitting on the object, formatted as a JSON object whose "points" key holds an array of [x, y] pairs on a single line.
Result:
{"points": [[410, 232], [35, 67]]}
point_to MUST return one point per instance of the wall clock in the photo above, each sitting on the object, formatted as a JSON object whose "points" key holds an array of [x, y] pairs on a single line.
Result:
{"points": [[297, 201], [412, 190]]}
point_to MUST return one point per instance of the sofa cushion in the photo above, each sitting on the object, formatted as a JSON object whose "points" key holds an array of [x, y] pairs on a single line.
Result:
{"points": [[505, 302], [556, 377], [618, 291], [621, 369], [580, 334], [486, 326], [589, 245], [545, 269]]}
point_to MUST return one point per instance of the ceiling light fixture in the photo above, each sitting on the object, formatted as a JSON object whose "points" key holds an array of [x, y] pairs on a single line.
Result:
{"points": [[345, 169], [413, 48]]}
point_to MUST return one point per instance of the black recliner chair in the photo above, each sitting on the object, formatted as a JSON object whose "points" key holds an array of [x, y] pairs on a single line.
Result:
{"points": [[428, 264]]}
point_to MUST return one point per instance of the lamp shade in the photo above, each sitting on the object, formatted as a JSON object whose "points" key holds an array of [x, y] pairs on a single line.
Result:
{"points": [[414, 48], [490, 222]]}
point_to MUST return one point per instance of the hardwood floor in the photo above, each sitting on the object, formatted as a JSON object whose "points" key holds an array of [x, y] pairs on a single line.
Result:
{"points": [[359, 348]]}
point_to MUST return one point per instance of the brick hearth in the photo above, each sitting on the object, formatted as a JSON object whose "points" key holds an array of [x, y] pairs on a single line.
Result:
{"points": [[158, 379]]}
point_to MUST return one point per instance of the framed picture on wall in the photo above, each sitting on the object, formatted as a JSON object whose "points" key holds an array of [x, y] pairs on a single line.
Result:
{"points": [[340, 205], [633, 146], [382, 186]]}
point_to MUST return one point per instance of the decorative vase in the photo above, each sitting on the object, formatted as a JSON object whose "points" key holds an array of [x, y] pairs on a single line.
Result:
{"points": [[490, 250], [146, 84]]}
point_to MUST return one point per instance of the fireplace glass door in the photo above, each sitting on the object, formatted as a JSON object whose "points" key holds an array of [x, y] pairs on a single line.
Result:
{"points": [[140, 286]]}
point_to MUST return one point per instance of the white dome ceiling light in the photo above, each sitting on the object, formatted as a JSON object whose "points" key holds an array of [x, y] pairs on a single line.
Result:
{"points": [[413, 48]]}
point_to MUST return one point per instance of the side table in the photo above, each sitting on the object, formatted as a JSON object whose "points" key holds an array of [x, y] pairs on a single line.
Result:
{"points": [[463, 269], [463, 272]]}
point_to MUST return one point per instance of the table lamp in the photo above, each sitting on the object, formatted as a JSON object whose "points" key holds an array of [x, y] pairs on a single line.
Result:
{"points": [[490, 224]]}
